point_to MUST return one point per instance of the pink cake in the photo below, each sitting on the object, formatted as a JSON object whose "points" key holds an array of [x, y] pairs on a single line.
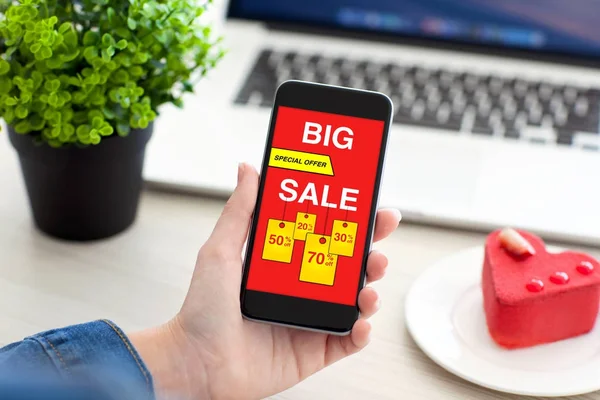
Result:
{"points": [[540, 298]]}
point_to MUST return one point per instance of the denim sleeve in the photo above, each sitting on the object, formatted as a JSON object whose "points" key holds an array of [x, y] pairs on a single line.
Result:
{"points": [[94, 360]]}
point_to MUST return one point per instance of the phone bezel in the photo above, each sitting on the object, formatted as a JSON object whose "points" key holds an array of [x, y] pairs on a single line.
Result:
{"points": [[301, 312]]}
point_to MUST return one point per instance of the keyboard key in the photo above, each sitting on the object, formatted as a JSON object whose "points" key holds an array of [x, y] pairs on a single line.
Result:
{"points": [[545, 91], [521, 88], [459, 104], [511, 134], [422, 76], [418, 110], [395, 101], [510, 110], [337, 80], [484, 107], [402, 112], [481, 126], [315, 59], [535, 116], [561, 116], [483, 130], [289, 57], [417, 115], [471, 81], [394, 72], [368, 83], [564, 138], [557, 102], [581, 107], [447, 77], [540, 134], [586, 140], [495, 85], [321, 77], [373, 69], [443, 113], [570, 94], [584, 124]]}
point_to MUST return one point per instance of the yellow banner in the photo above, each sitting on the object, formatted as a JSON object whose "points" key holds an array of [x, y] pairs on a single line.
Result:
{"points": [[301, 161]]}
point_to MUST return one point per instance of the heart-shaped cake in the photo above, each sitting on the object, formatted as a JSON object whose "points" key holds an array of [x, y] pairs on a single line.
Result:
{"points": [[540, 298]]}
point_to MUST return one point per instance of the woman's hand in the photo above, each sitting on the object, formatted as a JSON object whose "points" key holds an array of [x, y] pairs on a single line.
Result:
{"points": [[208, 351]]}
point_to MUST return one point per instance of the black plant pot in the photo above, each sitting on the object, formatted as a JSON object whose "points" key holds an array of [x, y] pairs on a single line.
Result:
{"points": [[83, 193]]}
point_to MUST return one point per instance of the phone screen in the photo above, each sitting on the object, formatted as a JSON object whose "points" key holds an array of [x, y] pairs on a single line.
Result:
{"points": [[315, 207]]}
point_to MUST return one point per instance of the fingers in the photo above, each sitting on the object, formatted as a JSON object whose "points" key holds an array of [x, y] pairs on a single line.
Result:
{"points": [[361, 334], [386, 222], [368, 302], [376, 266], [338, 347], [232, 226]]}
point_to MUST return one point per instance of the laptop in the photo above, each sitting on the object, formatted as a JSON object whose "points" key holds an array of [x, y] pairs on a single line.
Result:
{"points": [[496, 104]]}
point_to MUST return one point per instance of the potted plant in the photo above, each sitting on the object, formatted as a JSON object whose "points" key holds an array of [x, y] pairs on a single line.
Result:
{"points": [[81, 82]]}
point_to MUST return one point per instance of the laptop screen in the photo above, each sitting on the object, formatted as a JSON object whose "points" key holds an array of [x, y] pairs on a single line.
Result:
{"points": [[569, 27]]}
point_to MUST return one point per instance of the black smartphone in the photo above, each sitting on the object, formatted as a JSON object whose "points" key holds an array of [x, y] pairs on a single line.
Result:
{"points": [[313, 224]]}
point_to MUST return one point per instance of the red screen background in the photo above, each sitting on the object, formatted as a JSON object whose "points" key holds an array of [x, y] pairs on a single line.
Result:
{"points": [[354, 168]]}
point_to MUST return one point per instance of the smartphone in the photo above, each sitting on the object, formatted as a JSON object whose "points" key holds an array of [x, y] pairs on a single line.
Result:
{"points": [[312, 227]]}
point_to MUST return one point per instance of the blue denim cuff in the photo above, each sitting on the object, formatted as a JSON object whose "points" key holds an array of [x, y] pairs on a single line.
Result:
{"points": [[100, 354]]}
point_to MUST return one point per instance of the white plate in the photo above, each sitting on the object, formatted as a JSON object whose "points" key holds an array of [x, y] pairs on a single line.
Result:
{"points": [[444, 314]]}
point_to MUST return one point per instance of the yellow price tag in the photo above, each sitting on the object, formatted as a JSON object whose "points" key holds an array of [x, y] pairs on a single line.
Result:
{"points": [[318, 266], [305, 223], [279, 244], [343, 238]]}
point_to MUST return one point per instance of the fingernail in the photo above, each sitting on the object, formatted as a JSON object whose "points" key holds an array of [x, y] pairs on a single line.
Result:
{"points": [[373, 251], [398, 214], [241, 168], [378, 303]]}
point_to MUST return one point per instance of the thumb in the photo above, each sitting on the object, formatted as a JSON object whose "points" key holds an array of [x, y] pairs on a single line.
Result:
{"points": [[232, 227]]}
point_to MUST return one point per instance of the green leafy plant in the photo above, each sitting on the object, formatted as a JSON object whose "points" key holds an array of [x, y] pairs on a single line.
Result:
{"points": [[75, 71]]}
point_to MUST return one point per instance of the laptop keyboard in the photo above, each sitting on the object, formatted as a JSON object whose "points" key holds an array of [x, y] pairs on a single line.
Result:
{"points": [[482, 105]]}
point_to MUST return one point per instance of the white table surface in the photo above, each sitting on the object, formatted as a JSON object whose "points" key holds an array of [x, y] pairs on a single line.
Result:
{"points": [[140, 277]]}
